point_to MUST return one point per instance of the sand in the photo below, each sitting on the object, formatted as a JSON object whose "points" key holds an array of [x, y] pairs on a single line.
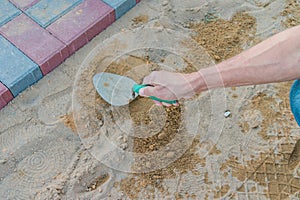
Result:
{"points": [[76, 146]]}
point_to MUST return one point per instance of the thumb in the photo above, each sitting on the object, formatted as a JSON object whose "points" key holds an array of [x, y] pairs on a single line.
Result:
{"points": [[147, 91]]}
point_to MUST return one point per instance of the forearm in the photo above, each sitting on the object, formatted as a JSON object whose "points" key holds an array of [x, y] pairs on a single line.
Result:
{"points": [[276, 59]]}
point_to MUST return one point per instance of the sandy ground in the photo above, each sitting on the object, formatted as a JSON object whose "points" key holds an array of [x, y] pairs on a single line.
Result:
{"points": [[60, 140]]}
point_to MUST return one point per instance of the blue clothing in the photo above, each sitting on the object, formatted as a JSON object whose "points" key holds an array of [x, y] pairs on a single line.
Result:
{"points": [[295, 100]]}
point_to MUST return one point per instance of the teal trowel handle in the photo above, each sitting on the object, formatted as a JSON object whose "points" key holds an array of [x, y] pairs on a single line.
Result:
{"points": [[136, 88]]}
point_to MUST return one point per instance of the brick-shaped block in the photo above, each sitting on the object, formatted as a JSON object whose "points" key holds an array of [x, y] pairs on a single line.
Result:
{"points": [[24, 4], [47, 11], [37, 43], [138, 1], [17, 71], [83, 23], [5, 96], [121, 6], [7, 11]]}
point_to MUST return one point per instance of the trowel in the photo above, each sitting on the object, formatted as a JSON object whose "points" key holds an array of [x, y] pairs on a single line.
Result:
{"points": [[120, 90]]}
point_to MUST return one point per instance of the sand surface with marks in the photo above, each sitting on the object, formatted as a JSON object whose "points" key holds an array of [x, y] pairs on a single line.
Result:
{"points": [[60, 140]]}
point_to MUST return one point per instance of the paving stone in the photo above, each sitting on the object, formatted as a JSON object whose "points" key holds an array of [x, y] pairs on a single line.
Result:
{"points": [[7, 11], [120, 6], [47, 11], [34, 47], [24, 4], [5, 96], [83, 23], [37, 43], [17, 71]]}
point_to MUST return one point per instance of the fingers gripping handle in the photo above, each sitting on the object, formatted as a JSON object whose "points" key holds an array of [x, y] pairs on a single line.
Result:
{"points": [[136, 88]]}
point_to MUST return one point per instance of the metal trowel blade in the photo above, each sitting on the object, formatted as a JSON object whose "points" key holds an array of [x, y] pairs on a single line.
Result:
{"points": [[114, 89]]}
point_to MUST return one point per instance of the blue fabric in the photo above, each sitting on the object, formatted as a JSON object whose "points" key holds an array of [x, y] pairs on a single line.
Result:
{"points": [[295, 100]]}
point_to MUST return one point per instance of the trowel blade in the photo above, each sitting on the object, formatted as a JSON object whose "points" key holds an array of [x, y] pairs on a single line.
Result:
{"points": [[114, 89]]}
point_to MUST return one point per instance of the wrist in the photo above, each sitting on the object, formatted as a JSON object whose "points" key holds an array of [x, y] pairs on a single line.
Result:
{"points": [[197, 82]]}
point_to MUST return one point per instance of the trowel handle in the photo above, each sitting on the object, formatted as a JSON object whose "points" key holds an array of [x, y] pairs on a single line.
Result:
{"points": [[136, 88]]}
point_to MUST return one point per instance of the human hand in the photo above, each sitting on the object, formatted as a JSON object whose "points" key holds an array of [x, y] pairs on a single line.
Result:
{"points": [[170, 86]]}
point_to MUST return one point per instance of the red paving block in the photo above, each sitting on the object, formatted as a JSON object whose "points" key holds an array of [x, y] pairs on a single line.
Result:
{"points": [[5, 96], [36, 42], [83, 23], [137, 1]]}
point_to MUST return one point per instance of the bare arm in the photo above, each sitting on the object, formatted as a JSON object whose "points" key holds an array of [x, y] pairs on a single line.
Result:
{"points": [[276, 59], [273, 60]]}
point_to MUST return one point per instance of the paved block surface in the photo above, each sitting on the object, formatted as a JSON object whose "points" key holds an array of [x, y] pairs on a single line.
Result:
{"points": [[120, 6], [7, 11], [47, 11], [38, 35], [36, 42], [5, 96], [17, 71], [81, 24], [24, 4]]}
